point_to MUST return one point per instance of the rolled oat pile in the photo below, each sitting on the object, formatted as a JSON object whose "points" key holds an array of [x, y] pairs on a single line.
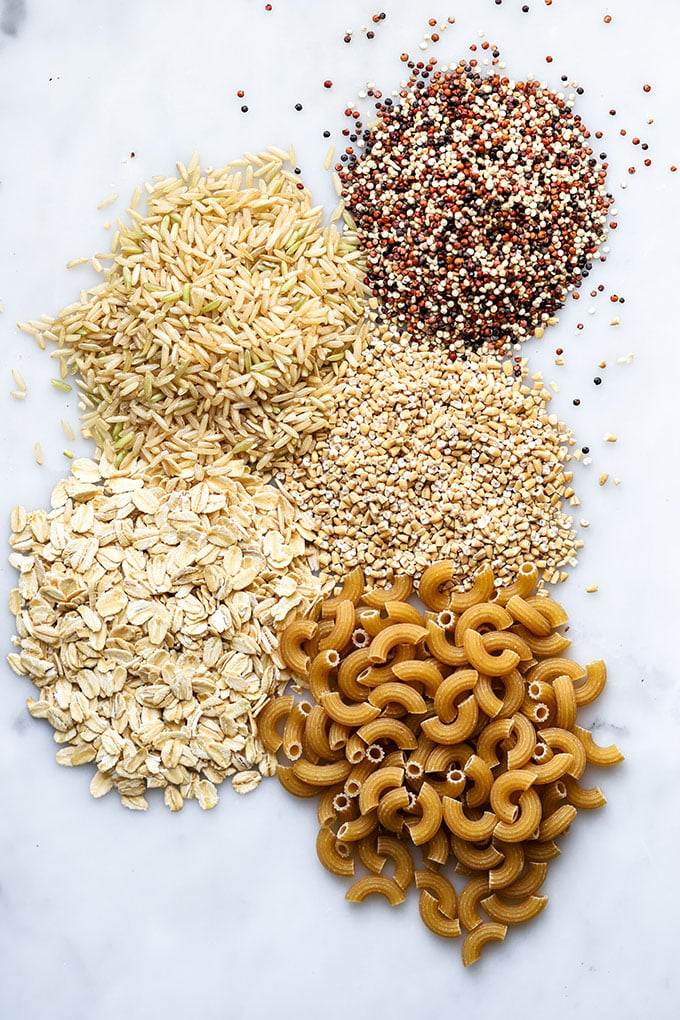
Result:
{"points": [[220, 325], [431, 458], [148, 620]]}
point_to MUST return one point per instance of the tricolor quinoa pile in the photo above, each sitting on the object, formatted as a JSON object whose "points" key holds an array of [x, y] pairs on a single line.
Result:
{"points": [[479, 203]]}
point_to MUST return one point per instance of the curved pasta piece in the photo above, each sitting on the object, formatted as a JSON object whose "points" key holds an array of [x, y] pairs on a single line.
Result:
{"points": [[390, 846], [584, 798], [524, 584], [544, 647], [349, 670], [348, 715], [399, 592], [333, 804], [403, 612], [475, 858], [468, 901], [478, 771], [506, 786], [339, 736], [323, 664], [552, 770], [554, 613], [441, 648], [372, 621], [442, 891], [596, 755], [457, 731], [526, 824], [341, 633], [294, 730], [493, 734], [437, 850], [326, 850], [552, 795], [452, 786], [514, 913], [375, 885], [360, 773], [483, 661], [548, 669], [321, 775], [425, 828], [565, 740], [474, 941], [529, 617], [367, 853], [422, 751], [565, 696], [358, 828], [395, 634], [525, 742], [390, 807], [557, 823], [315, 738], [541, 852], [433, 918], [533, 878], [474, 831], [481, 591], [441, 758], [511, 868], [268, 719], [484, 613], [385, 728], [497, 640], [396, 692], [291, 644], [419, 671], [432, 581], [380, 674], [352, 590], [593, 685], [396, 757], [376, 784], [449, 689], [293, 784], [490, 703]]}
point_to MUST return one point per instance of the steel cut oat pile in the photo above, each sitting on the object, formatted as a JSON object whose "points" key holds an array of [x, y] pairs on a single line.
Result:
{"points": [[431, 459], [148, 620]]}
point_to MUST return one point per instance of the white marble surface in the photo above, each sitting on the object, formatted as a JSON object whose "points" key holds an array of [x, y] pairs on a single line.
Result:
{"points": [[104, 913]]}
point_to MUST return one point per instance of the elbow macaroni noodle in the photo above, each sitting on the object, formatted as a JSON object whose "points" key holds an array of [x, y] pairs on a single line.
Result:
{"points": [[452, 731]]}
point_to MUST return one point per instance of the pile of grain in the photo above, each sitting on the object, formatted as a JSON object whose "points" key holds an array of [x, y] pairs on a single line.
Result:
{"points": [[220, 325], [453, 733], [480, 204], [431, 458], [148, 619]]}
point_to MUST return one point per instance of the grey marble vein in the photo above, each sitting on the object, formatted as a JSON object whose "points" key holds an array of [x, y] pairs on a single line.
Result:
{"points": [[13, 15]]}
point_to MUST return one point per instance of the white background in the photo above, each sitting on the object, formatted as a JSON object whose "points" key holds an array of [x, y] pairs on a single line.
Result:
{"points": [[106, 913]]}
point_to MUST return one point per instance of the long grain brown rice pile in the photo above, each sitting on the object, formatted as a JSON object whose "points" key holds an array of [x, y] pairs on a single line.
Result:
{"points": [[220, 325], [148, 620], [430, 458]]}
